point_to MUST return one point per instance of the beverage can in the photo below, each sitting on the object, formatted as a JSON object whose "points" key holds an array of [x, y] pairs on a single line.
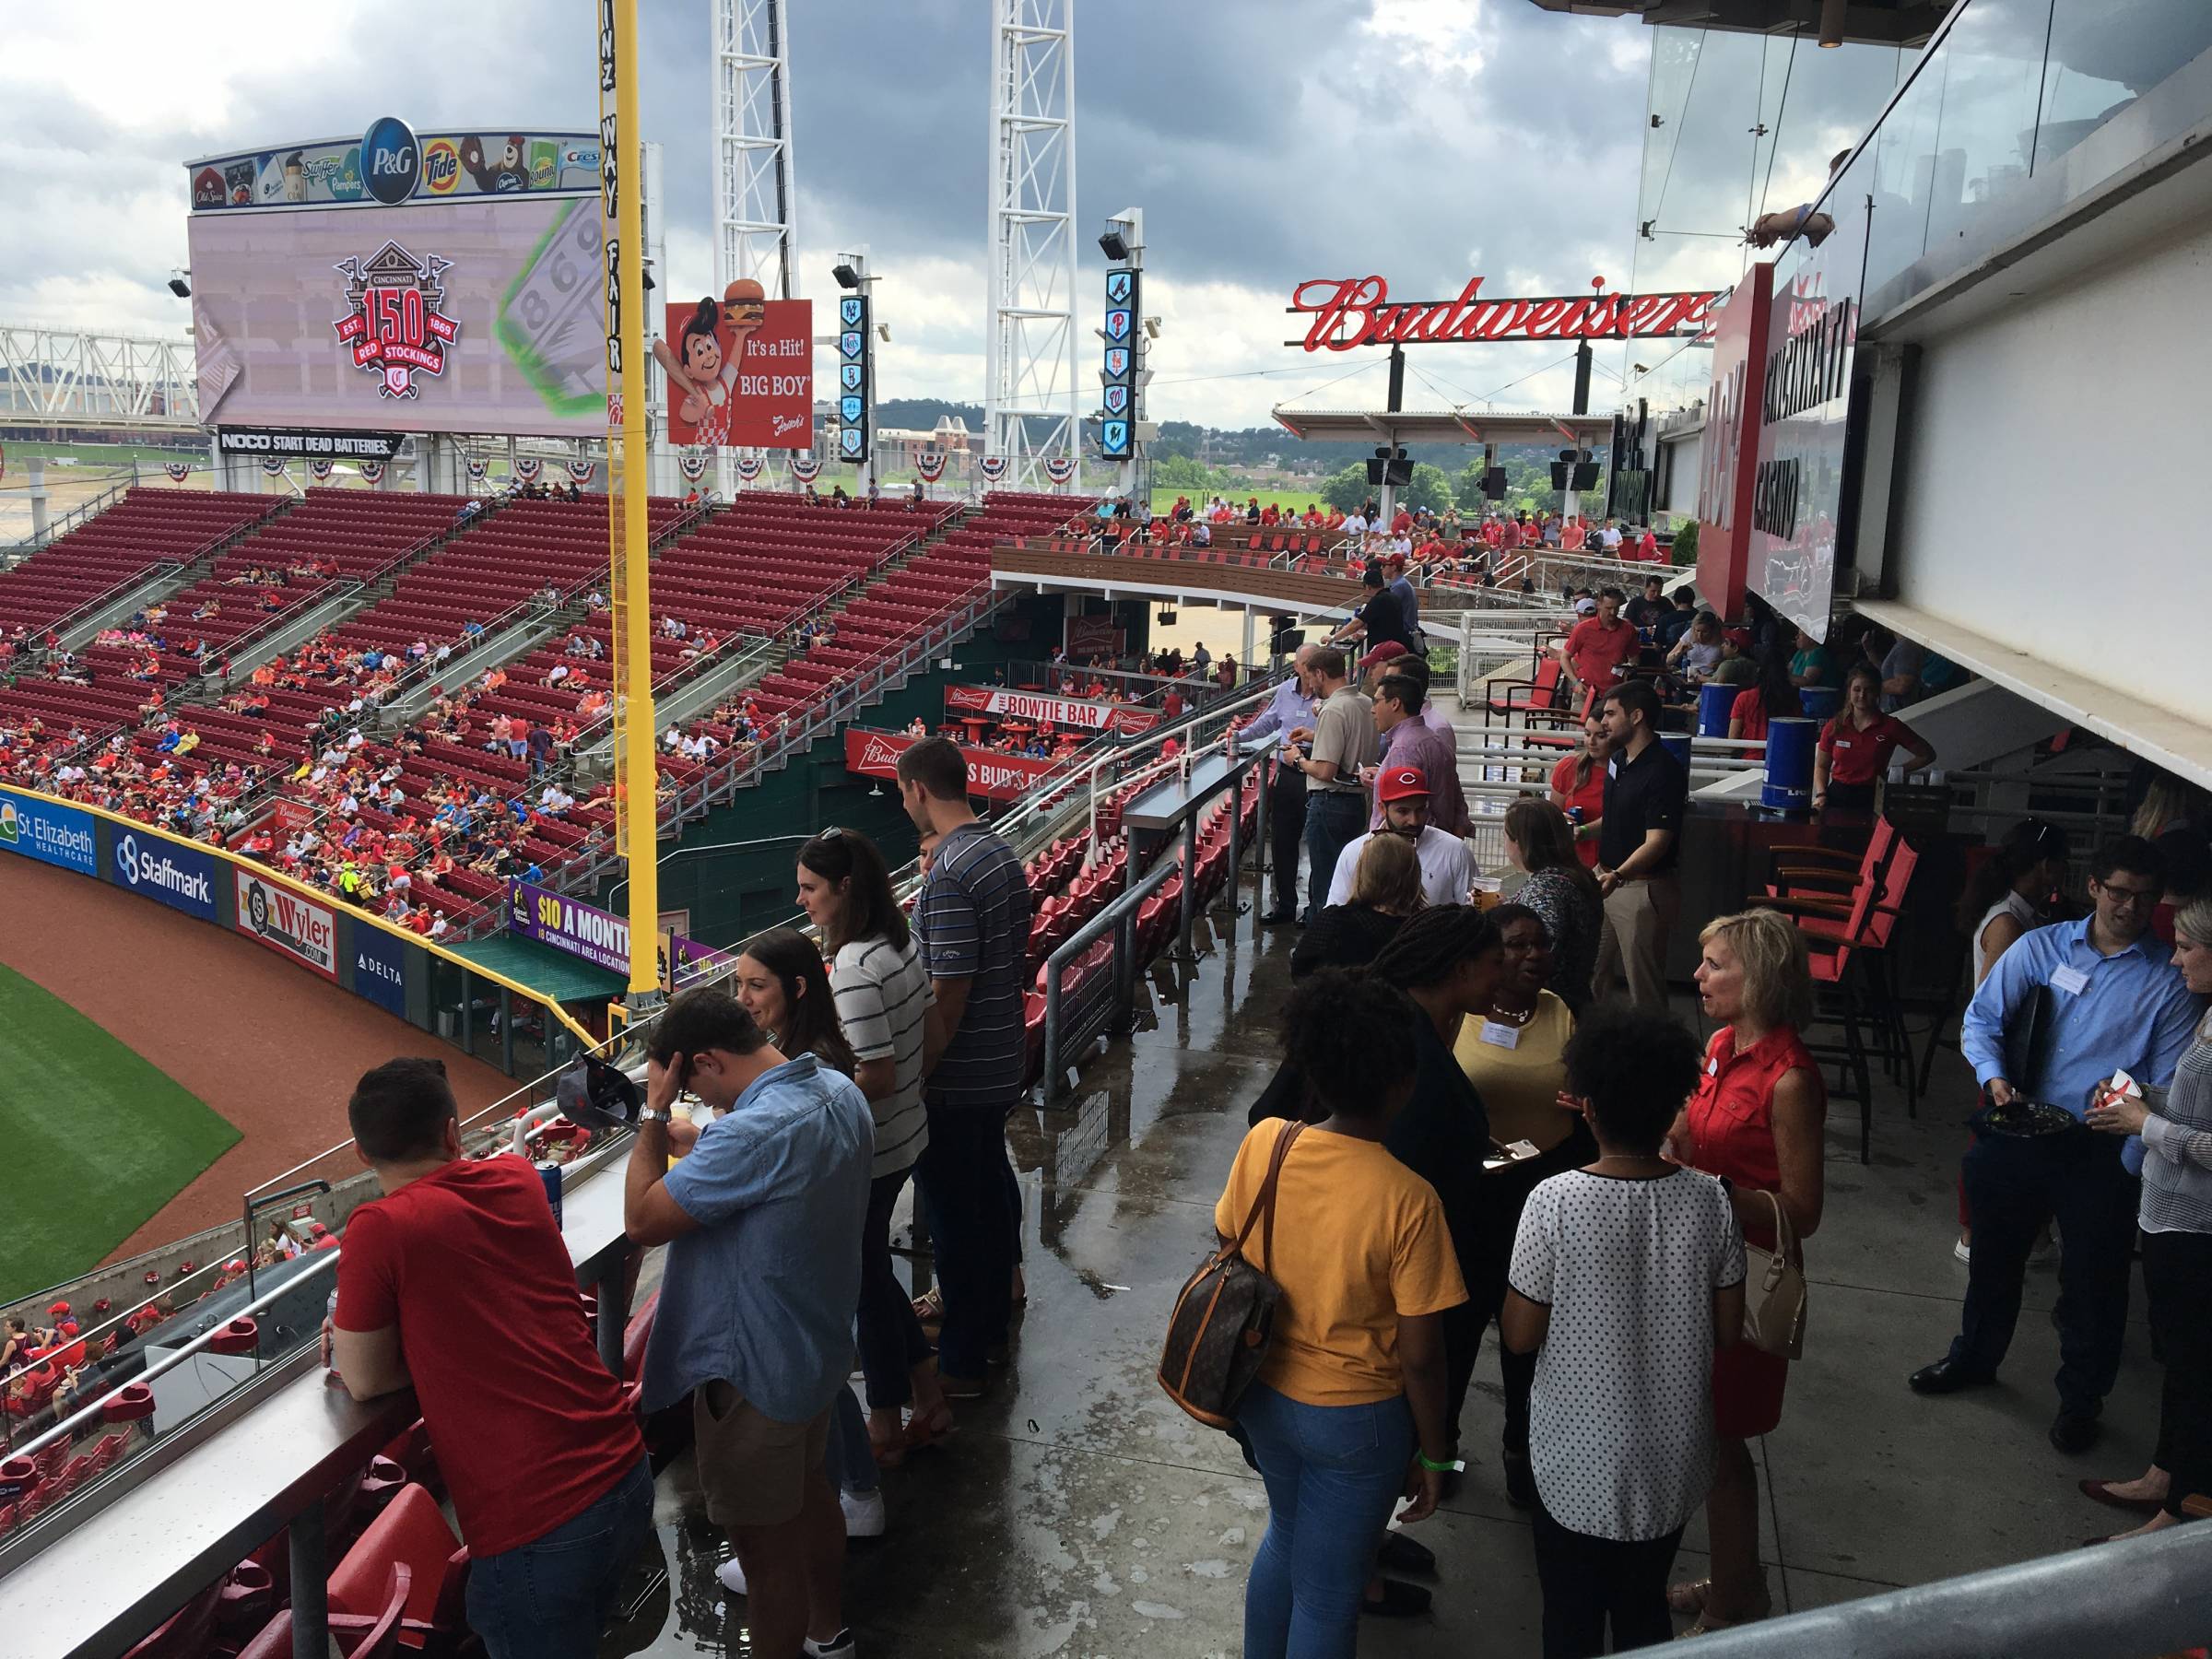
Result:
{"points": [[550, 1174]]}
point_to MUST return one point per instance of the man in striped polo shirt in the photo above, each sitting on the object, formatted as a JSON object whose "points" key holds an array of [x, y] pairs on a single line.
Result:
{"points": [[973, 920]]}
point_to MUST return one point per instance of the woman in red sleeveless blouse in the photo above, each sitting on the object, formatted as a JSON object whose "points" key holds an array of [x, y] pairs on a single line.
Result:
{"points": [[1755, 1120]]}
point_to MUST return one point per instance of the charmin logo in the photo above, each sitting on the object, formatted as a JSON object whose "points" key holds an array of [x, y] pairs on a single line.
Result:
{"points": [[146, 867], [395, 328], [391, 161]]}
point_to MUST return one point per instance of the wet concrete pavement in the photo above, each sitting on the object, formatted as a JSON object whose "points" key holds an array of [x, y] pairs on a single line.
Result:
{"points": [[1078, 1512]]}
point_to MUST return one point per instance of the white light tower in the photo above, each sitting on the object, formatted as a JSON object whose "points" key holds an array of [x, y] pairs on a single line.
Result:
{"points": [[755, 198], [1033, 402]]}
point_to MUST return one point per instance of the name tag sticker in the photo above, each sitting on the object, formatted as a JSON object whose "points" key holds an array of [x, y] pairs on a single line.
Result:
{"points": [[1500, 1036], [2072, 981]]}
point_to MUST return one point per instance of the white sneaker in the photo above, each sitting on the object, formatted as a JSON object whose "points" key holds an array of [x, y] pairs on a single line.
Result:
{"points": [[840, 1646], [1963, 1251], [864, 1513], [732, 1576]]}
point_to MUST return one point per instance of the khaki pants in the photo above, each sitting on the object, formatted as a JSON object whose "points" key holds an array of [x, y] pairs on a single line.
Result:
{"points": [[1639, 917]]}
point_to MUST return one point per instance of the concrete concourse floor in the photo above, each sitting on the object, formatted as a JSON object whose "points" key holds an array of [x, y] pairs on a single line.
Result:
{"points": [[1078, 1512]]}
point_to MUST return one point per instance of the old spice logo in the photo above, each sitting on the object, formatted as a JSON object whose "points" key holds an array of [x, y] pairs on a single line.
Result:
{"points": [[1356, 311], [395, 328], [880, 754]]}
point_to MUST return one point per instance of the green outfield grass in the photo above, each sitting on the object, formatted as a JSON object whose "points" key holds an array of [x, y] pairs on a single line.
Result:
{"points": [[98, 1140], [1299, 499]]}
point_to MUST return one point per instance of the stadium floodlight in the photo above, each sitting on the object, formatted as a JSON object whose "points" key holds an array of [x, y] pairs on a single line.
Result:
{"points": [[178, 286]]}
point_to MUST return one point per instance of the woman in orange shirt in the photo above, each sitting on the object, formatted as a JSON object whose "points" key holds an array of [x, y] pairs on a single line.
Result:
{"points": [[1577, 788], [1347, 1411]]}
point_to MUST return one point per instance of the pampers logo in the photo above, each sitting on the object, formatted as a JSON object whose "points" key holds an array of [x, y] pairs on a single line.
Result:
{"points": [[173, 881]]}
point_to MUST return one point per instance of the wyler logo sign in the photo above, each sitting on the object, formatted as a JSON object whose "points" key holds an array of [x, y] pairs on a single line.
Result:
{"points": [[391, 161], [397, 327], [176, 875], [284, 921], [54, 835]]}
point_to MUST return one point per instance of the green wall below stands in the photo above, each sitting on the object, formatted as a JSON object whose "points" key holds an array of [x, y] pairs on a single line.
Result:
{"points": [[732, 893]]}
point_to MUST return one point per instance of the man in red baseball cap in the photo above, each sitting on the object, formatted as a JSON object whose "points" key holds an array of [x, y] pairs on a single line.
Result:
{"points": [[1447, 869]]}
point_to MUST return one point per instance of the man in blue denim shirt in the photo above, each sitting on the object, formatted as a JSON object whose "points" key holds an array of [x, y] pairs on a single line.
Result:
{"points": [[763, 1218], [2115, 1003]]}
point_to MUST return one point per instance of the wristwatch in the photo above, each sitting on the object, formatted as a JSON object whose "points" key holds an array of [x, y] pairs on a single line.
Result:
{"points": [[648, 1114]]}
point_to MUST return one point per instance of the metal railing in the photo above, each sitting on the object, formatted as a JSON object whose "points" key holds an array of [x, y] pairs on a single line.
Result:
{"points": [[1100, 999]]}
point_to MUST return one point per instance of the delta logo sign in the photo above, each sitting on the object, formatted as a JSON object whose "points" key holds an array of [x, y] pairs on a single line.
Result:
{"points": [[396, 327]]}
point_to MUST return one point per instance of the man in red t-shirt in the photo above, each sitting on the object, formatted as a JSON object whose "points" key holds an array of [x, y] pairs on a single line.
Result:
{"points": [[456, 1282], [1597, 648]]}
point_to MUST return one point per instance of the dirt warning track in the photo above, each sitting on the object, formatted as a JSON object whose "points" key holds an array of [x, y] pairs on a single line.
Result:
{"points": [[263, 1041]]}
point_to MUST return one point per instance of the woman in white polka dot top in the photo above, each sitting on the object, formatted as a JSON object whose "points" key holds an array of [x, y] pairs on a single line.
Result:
{"points": [[1627, 1275]]}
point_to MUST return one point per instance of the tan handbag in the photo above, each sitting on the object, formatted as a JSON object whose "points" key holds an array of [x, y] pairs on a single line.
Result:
{"points": [[1774, 1290], [1218, 1333]]}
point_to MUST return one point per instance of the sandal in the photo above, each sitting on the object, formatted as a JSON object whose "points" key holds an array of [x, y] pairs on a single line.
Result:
{"points": [[1689, 1597], [929, 1307], [1706, 1622], [889, 1451], [931, 1428]]}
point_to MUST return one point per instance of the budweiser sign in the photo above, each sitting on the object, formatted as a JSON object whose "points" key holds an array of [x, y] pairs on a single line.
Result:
{"points": [[993, 777], [1357, 311], [1078, 712]]}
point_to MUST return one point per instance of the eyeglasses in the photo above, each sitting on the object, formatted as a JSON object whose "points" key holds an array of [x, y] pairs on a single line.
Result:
{"points": [[2123, 897]]}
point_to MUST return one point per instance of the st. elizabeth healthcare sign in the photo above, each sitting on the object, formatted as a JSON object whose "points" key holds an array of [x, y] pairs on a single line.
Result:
{"points": [[284, 921], [177, 876], [54, 835]]}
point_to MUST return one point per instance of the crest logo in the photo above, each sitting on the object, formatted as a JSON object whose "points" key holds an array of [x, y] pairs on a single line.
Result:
{"points": [[848, 344], [1117, 324], [849, 376], [395, 329], [1117, 363], [1117, 288], [1117, 400], [849, 409], [848, 314]]}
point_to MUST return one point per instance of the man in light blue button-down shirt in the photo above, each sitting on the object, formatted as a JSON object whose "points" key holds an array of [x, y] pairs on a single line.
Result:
{"points": [[2113, 1003], [1290, 710]]}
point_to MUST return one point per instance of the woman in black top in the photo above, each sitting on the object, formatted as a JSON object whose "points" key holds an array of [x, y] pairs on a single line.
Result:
{"points": [[1386, 888], [1541, 841]]}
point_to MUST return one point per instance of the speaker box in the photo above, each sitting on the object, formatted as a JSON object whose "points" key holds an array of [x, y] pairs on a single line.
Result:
{"points": [[1586, 475], [1493, 483]]}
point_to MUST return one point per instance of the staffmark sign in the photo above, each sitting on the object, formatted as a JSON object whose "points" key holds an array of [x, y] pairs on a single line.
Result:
{"points": [[284, 921], [174, 875]]}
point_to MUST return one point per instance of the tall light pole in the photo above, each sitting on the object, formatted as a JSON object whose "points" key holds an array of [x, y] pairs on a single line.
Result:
{"points": [[756, 197]]}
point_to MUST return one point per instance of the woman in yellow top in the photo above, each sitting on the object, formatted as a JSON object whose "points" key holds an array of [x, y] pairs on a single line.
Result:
{"points": [[1515, 1055], [1347, 1413]]}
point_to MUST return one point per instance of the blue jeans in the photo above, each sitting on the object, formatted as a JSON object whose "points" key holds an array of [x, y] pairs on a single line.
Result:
{"points": [[1335, 819], [964, 1180], [1333, 1474], [852, 1460], [550, 1598]]}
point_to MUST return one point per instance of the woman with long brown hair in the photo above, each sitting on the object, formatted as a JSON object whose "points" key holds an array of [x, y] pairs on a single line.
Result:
{"points": [[1560, 891], [1577, 788]]}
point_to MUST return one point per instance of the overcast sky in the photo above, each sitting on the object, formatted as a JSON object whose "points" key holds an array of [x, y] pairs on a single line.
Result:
{"points": [[1267, 141]]}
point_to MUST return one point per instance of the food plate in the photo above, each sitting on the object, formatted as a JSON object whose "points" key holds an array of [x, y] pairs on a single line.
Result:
{"points": [[2026, 1118]]}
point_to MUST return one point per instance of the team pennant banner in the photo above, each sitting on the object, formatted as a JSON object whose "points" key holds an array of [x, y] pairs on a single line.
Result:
{"points": [[694, 466], [806, 468], [527, 467], [748, 467], [321, 470], [178, 471], [372, 472], [273, 466], [582, 471], [993, 467], [477, 469], [930, 463], [1060, 468]]}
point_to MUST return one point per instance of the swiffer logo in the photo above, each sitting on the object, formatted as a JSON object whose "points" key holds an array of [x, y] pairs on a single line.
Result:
{"points": [[146, 869]]}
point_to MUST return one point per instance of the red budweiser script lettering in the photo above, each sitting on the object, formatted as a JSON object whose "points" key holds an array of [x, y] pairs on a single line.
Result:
{"points": [[994, 777], [1356, 311]]}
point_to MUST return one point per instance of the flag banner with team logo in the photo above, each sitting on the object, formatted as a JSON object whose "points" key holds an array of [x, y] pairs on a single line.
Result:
{"points": [[695, 466], [993, 467], [178, 471], [477, 468], [321, 470], [274, 467], [372, 472], [748, 467], [1060, 468], [582, 471], [930, 463], [527, 467], [806, 468]]}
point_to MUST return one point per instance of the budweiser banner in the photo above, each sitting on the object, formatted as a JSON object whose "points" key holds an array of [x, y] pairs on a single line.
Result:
{"points": [[806, 468], [478, 468], [290, 815], [930, 463], [1357, 311], [993, 467], [1090, 636], [1059, 468], [527, 467], [273, 466], [372, 472], [748, 466], [178, 471], [582, 471], [693, 465], [1080, 713], [993, 777], [321, 470]]}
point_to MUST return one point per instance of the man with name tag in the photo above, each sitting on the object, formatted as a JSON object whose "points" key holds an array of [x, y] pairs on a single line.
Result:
{"points": [[2063, 1009]]}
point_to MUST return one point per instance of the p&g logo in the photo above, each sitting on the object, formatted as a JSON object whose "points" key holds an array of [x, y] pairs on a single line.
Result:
{"points": [[391, 161]]}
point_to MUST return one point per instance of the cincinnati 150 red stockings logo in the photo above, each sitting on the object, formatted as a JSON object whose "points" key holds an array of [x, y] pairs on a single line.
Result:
{"points": [[395, 329]]}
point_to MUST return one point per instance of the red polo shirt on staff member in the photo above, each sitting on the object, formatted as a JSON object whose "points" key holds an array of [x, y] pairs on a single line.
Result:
{"points": [[1860, 755], [1595, 653]]}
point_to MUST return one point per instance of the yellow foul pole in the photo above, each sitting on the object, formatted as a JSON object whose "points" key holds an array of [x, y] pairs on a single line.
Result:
{"points": [[628, 483]]}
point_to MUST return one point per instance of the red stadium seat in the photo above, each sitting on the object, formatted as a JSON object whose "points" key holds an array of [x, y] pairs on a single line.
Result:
{"points": [[411, 1534], [358, 1636]]}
